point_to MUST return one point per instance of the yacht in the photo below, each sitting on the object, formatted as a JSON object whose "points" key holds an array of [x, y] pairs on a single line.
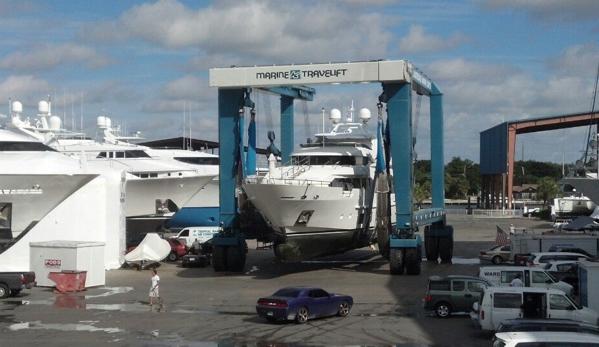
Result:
{"points": [[203, 208], [319, 204], [47, 196], [154, 186]]}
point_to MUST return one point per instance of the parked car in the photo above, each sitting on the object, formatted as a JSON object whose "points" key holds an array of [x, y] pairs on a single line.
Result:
{"points": [[565, 271], [545, 338], [531, 276], [178, 249], [496, 254], [302, 303], [532, 324], [11, 283], [453, 293], [196, 260], [542, 258]]}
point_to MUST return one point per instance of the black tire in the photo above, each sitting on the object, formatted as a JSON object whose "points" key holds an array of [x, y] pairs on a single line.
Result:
{"points": [[4, 291], [236, 258], [431, 248], [343, 309], [172, 256], [497, 260], [445, 249], [220, 260], [302, 315], [15, 292], [396, 261], [443, 309], [412, 261]]}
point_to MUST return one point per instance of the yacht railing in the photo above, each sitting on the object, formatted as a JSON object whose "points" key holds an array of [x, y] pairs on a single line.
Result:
{"points": [[297, 167]]}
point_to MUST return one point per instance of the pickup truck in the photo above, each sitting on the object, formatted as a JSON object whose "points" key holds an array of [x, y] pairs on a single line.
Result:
{"points": [[11, 283]]}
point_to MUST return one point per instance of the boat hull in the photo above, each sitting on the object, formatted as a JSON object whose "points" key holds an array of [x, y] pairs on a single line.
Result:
{"points": [[142, 194], [44, 191], [589, 187], [314, 221]]}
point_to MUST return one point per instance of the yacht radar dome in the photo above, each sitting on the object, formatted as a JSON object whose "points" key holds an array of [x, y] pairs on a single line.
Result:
{"points": [[17, 107], [43, 107], [101, 122], [54, 123], [335, 116], [364, 115]]}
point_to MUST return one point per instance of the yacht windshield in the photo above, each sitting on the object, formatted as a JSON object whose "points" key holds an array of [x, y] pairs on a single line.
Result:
{"points": [[198, 160], [11, 146], [330, 160]]}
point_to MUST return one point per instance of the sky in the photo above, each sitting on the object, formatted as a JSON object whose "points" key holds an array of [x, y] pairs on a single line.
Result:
{"points": [[145, 64]]}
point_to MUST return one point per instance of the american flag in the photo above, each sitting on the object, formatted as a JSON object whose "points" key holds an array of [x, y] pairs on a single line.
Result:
{"points": [[501, 238]]}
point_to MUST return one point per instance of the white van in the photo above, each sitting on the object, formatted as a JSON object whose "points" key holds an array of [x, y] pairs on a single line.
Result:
{"points": [[502, 276], [497, 304], [202, 234]]}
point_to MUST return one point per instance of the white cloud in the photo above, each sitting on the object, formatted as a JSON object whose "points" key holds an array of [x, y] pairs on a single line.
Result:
{"points": [[281, 32], [417, 41], [27, 89], [50, 56]]}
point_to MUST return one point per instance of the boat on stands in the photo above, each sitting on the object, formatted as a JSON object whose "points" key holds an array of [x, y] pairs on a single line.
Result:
{"points": [[571, 206], [154, 187], [203, 208], [322, 203], [47, 196]]}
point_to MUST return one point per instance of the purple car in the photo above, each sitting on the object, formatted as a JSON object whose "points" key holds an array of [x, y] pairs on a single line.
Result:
{"points": [[303, 303]]}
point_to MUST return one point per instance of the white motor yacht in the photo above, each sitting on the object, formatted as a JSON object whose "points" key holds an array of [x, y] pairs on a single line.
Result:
{"points": [[47, 196], [154, 186], [320, 203]]}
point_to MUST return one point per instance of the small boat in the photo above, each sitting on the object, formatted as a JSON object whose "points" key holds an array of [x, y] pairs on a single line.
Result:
{"points": [[152, 249]]}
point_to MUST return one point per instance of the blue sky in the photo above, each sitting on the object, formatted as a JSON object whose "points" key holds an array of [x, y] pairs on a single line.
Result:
{"points": [[145, 63]]}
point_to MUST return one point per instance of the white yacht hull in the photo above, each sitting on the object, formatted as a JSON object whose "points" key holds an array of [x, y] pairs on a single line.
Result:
{"points": [[311, 221], [143, 194], [33, 196], [589, 187]]}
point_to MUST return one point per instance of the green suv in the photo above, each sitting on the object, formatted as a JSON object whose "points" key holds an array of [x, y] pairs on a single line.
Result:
{"points": [[453, 293]]}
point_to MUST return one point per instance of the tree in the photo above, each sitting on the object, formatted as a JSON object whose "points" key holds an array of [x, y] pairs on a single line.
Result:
{"points": [[547, 189], [420, 194]]}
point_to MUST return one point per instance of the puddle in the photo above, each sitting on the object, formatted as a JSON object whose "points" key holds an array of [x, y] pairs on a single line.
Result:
{"points": [[37, 325], [111, 291]]}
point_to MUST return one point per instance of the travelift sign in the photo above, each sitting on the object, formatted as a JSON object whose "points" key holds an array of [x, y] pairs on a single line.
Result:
{"points": [[328, 73]]}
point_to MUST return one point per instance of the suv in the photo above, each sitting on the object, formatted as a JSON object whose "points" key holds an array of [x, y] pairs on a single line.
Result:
{"points": [[542, 258], [453, 293], [571, 250]]}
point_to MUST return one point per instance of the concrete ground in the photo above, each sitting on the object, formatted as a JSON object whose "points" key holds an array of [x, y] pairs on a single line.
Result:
{"points": [[204, 308]]}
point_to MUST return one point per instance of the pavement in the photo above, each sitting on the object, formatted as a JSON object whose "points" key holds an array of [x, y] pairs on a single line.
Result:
{"points": [[205, 308]]}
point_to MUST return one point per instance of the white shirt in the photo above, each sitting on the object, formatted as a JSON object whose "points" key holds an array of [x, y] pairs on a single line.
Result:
{"points": [[516, 282], [155, 281]]}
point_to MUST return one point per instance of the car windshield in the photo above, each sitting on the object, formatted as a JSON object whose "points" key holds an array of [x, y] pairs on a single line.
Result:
{"points": [[288, 292]]}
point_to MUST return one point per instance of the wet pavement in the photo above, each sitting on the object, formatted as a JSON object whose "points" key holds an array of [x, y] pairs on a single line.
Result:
{"points": [[205, 308]]}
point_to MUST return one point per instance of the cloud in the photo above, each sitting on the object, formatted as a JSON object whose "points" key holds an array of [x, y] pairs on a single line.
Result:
{"points": [[50, 56], [549, 10], [257, 30], [23, 89], [417, 41]]}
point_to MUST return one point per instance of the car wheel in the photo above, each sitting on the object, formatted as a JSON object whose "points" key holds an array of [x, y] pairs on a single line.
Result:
{"points": [[497, 260], [343, 309], [443, 310], [15, 292], [302, 315], [4, 291], [172, 256]]}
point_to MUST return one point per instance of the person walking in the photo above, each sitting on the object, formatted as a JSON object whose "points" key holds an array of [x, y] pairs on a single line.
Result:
{"points": [[155, 288], [517, 282]]}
